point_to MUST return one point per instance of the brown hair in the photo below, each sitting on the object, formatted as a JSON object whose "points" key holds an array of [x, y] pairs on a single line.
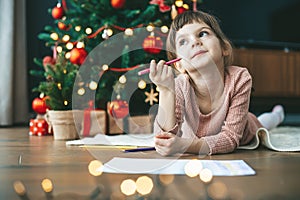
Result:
{"points": [[189, 17]]}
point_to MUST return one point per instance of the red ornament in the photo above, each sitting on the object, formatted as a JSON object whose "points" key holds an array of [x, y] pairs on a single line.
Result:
{"points": [[117, 4], [78, 55], [161, 4], [152, 44], [39, 105], [38, 127], [57, 12], [118, 108], [181, 10], [48, 60], [63, 26]]}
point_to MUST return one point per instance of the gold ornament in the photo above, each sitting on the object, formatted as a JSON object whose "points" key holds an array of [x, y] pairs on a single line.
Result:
{"points": [[174, 12], [151, 97]]}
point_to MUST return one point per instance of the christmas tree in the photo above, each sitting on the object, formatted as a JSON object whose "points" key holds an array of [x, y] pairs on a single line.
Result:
{"points": [[99, 46]]}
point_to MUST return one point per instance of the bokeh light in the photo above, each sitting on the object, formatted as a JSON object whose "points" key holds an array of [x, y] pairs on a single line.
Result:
{"points": [[142, 84], [144, 185], [88, 30], [77, 28], [95, 168], [193, 168], [217, 190], [47, 185], [19, 188], [128, 187], [54, 36], [128, 32], [93, 85], [164, 29], [166, 179], [206, 175], [66, 38], [122, 79]]}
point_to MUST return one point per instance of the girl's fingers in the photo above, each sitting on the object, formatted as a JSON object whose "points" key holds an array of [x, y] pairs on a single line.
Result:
{"points": [[164, 135], [152, 66], [153, 70], [160, 67], [161, 63]]}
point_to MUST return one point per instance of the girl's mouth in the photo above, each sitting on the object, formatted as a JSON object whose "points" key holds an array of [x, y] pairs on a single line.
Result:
{"points": [[199, 53]]}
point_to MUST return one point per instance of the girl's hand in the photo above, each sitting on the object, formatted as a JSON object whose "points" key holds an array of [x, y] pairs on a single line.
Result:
{"points": [[161, 75], [168, 144]]}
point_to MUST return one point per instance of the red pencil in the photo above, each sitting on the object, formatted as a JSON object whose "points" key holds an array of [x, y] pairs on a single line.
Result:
{"points": [[145, 71]]}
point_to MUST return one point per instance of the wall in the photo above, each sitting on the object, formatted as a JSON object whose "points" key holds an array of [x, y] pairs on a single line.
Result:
{"points": [[257, 20]]}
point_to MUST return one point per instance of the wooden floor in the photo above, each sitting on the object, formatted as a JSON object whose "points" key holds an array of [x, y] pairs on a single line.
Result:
{"points": [[28, 160]]}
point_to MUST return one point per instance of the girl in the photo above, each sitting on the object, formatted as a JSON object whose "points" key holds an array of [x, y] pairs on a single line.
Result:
{"points": [[204, 110]]}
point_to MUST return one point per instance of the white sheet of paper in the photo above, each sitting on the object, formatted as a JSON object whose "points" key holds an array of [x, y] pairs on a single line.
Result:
{"points": [[123, 140], [176, 166]]}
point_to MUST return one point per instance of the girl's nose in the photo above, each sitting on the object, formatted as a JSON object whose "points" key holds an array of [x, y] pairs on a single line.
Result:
{"points": [[196, 42]]}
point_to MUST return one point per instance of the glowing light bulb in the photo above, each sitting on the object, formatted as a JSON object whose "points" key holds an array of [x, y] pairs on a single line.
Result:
{"points": [[59, 49], [105, 67], [77, 28], [54, 36], [93, 85], [69, 45], [59, 86], [142, 84], [164, 29], [178, 3], [80, 45], [128, 32], [88, 30], [150, 28], [122, 79], [185, 6], [66, 38], [109, 32], [68, 55], [81, 91], [66, 102]]}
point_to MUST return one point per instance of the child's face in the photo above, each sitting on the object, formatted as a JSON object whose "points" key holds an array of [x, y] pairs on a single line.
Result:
{"points": [[198, 45]]}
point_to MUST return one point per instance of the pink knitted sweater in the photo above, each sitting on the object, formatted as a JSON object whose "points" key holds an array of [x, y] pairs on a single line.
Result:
{"points": [[226, 127]]}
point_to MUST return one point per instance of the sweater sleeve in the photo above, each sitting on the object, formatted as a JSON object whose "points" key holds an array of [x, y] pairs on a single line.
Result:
{"points": [[227, 140]]}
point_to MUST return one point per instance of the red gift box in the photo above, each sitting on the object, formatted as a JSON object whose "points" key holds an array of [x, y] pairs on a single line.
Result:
{"points": [[38, 127]]}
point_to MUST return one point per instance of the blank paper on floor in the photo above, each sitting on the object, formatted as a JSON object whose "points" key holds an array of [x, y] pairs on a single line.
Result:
{"points": [[171, 166]]}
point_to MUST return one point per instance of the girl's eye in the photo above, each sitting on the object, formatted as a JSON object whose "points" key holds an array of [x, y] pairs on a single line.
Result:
{"points": [[203, 33], [182, 42]]}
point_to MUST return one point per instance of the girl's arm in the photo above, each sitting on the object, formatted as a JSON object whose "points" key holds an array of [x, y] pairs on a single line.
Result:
{"points": [[166, 110], [162, 75], [228, 139]]}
